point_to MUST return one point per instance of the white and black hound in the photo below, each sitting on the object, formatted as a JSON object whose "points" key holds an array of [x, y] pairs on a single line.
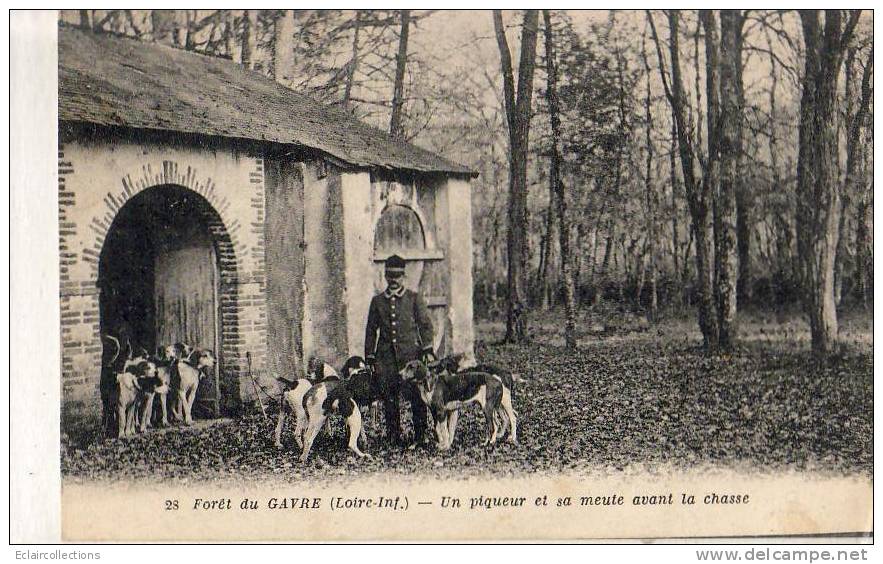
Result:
{"points": [[508, 417], [166, 360], [445, 393], [292, 400], [190, 371], [344, 397], [133, 384]]}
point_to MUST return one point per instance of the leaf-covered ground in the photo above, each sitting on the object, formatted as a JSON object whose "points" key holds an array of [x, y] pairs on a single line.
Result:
{"points": [[650, 399]]}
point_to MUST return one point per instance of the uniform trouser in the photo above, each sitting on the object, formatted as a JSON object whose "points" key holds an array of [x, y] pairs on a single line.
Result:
{"points": [[393, 391]]}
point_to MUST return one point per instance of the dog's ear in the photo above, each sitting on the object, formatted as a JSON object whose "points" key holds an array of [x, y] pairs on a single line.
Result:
{"points": [[136, 369]]}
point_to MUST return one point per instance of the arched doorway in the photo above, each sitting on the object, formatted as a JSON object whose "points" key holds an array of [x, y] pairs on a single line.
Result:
{"points": [[400, 231], [159, 278]]}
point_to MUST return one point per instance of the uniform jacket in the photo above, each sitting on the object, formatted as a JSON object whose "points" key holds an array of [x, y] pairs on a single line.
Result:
{"points": [[399, 329]]}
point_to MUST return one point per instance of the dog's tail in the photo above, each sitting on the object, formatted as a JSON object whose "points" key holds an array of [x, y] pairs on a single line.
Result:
{"points": [[119, 349]]}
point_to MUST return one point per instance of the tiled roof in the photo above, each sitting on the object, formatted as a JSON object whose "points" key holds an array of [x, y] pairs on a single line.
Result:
{"points": [[116, 81]]}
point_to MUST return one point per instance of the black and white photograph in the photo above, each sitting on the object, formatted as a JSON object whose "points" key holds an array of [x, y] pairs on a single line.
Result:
{"points": [[533, 274]]}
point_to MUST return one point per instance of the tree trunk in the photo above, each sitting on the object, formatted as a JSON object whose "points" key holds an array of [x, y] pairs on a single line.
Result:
{"points": [[605, 262], [86, 20], [176, 29], [711, 181], [130, 18], [864, 267], [649, 198], [229, 34], [699, 191], [730, 135], [541, 294], [518, 113], [189, 39], [685, 265], [354, 61], [818, 189], [784, 264], [283, 47], [567, 282], [396, 127], [248, 39], [857, 104], [163, 26], [744, 198]]}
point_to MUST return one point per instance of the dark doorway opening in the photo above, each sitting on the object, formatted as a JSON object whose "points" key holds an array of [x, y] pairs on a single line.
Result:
{"points": [[159, 279]]}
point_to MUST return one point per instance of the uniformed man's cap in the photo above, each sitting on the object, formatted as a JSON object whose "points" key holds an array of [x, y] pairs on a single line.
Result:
{"points": [[395, 265]]}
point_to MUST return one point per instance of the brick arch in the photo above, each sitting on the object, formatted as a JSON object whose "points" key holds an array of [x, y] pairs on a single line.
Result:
{"points": [[229, 252], [168, 173]]}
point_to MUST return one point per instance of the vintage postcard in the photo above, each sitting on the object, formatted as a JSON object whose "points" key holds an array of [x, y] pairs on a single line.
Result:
{"points": [[436, 275]]}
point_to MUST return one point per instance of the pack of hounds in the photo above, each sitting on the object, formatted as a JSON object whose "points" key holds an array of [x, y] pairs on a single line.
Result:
{"points": [[135, 380], [444, 387], [138, 379]]}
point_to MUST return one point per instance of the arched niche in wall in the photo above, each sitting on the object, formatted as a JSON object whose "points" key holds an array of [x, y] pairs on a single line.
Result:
{"points": [[400, 230]]}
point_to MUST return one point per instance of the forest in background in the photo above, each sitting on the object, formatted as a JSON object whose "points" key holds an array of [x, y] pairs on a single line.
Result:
{"points": [[658, 161]]}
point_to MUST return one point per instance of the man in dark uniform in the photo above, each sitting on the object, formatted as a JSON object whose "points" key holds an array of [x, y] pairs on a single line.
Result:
{"points": [[399, 330]]}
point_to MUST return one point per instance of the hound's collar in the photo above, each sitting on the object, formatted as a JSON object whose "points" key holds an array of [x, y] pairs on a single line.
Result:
{"points": [[397, 293]]}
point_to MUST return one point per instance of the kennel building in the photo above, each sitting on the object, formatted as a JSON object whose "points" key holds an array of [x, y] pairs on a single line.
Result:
{"points": [[202, 202]]}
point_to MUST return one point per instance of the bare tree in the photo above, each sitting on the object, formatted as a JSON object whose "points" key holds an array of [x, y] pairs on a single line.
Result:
{"points": [[857, 96], [189, 30], [518, 113], [229, 34], [353, 63], [729, 133], [818, 188], [711, 180], [283, 48], [863, 185], [86, 19], [744, 201], [699, 189], [649, 195], [567, 281], [248, 39], [163, 26], [396, 127]]}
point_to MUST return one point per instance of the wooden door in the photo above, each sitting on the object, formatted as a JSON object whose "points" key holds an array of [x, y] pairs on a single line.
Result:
{"points": [[186, 298]]}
